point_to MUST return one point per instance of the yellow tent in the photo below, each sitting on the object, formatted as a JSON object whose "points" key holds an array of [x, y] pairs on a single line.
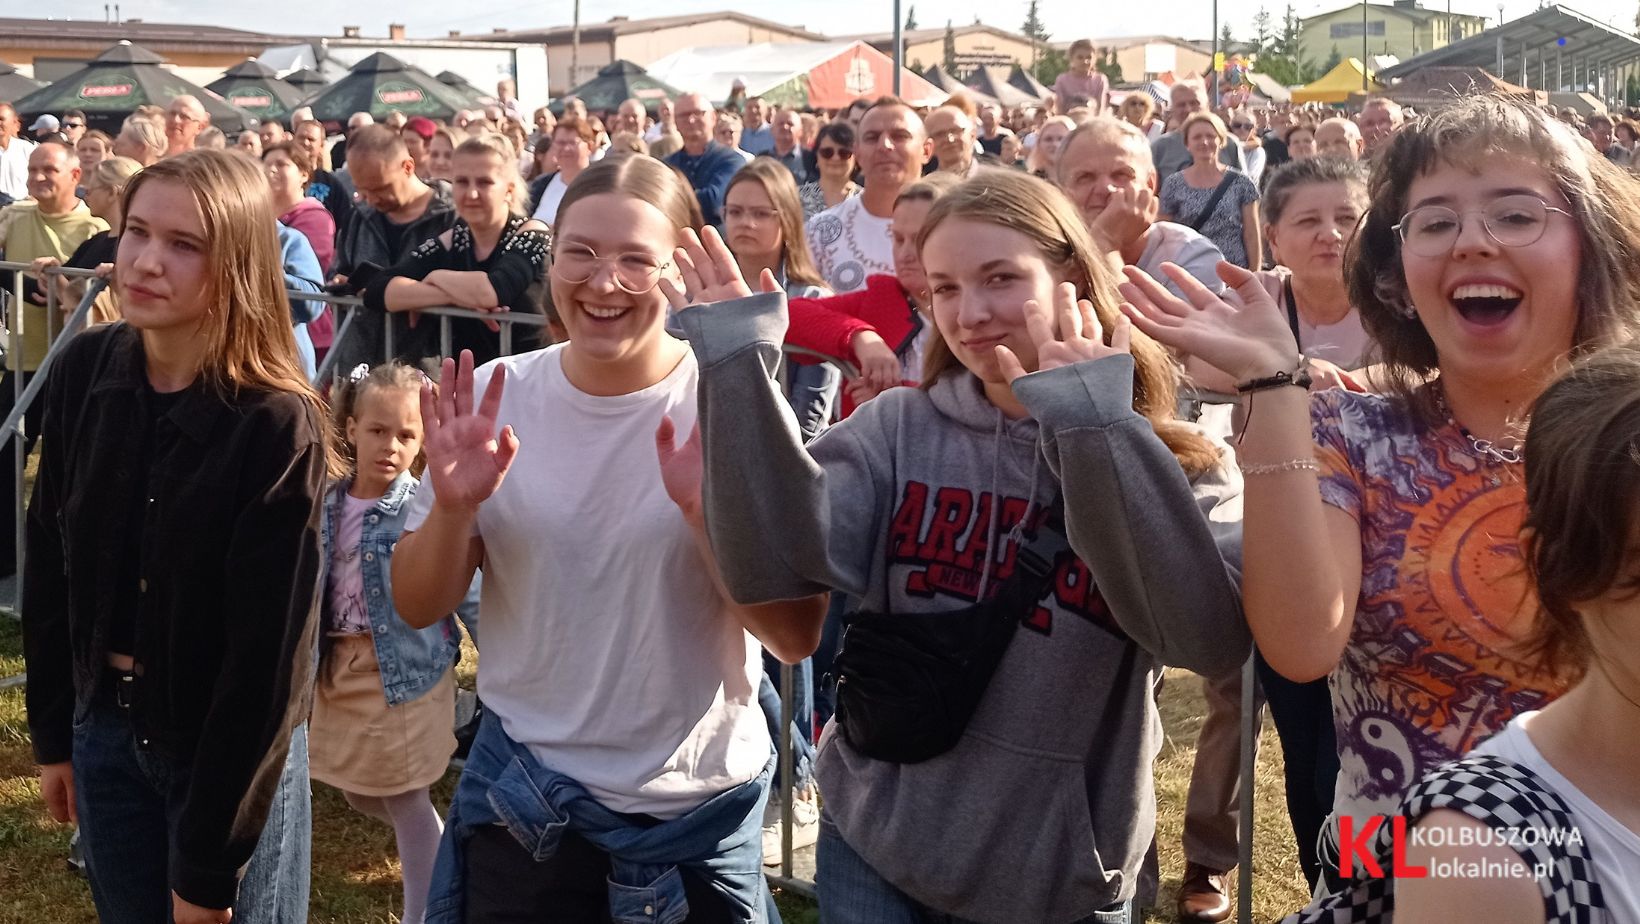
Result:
{"points": [[1337, 85]]}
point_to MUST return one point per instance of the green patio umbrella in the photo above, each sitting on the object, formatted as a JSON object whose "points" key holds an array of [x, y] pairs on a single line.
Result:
{"points": [[113, 84], [615, 84], [14, 85], [949, 83], [382, 83], [257, 89], [306, 80], [459, 84]]}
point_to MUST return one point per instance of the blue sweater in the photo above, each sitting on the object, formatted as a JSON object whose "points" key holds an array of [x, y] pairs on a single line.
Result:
{"points": [[709, 173]]}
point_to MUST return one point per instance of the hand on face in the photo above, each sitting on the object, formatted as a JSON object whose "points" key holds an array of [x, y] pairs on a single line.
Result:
{"points": [[1079, 337], [1128, 214]]}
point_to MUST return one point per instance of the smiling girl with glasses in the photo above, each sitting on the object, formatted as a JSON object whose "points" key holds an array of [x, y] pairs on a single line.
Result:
{"points": [[1380, 528], [620, 681]]}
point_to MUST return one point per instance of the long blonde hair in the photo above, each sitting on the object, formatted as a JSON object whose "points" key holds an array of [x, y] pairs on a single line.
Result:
{"points": [[781, 189], [1020, 202], [249, 341]]}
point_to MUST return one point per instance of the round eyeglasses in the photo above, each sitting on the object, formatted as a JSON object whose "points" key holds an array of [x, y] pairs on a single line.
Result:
{"points": [[1512, 221], [635, 273]]}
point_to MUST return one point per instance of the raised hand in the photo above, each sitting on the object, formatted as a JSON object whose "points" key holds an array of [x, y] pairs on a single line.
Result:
{"points": [[1080, 336], [466, 458], [681, 468], [1243, 334], [710, 273]]}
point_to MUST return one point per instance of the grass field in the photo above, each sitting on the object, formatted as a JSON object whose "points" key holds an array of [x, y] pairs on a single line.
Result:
{"points": [[355, 879]]}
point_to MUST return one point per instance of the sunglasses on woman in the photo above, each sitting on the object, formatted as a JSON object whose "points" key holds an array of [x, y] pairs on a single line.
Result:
{"points": [[829, 153]]}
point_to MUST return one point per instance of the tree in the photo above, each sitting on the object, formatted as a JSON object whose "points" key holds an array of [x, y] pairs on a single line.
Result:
{"points": [[916, 66], [1109, 66], [950, 49], [1050, 64], [1289, 40], [1285, 60], [1035, 31], [1225, 38], [911, 18], [1261, 31], [1333, 60]]}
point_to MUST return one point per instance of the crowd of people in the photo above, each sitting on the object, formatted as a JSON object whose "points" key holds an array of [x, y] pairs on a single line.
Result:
{"points": [[1118, 384]]}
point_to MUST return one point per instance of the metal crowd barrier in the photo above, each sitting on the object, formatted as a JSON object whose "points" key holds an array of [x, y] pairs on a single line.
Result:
{"points": [[347, 308]]}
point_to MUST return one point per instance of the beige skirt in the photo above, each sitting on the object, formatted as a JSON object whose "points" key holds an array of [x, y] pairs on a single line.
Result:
{"points": [[358, 743]]}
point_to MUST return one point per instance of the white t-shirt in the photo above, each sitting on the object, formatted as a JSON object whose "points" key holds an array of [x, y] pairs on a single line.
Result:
{"points": [[849, 244], [1614, 847], [1192, 251], [14, 168], [608, 651], [547, 209]]}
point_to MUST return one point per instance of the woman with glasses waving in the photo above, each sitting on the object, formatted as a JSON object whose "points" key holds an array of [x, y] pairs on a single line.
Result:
{"points": [[834, 153], [489, 261], [1380, 528], [622, 763]]}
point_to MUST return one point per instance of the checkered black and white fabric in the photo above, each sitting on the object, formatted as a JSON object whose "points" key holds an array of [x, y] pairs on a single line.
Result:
{"points": [[1503, 795]]}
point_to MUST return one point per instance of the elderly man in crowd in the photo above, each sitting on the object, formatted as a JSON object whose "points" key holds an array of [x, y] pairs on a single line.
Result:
{"points": [[185, 118], [630, 117], [395, 214], [706, 164], [853, 239], [788, 146], [1380, 119], [1339, 137], [53, 224], [952, 133], [727, 132], [14, 154], [1168, 152]]}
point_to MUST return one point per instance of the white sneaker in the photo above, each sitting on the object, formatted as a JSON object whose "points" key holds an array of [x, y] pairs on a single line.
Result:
{"points": [[805, 826]]}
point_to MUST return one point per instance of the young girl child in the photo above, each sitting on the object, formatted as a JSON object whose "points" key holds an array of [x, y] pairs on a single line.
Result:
{"points": [[173, 565], [384, 708], [1553, 795], [623, 761], [918, 503], [1494, 247]]}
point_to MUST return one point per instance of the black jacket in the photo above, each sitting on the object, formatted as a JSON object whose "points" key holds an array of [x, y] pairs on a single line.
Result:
{"points": [[365, 240], [227, 610]]}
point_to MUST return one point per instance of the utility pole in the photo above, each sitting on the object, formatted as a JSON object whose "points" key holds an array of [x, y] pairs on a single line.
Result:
{"points": [[899, 46], [1365, 56], [1213, 64], [575, 47]]}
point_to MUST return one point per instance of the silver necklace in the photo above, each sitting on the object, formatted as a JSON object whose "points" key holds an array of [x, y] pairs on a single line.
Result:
{"points": [[1485, 450]]}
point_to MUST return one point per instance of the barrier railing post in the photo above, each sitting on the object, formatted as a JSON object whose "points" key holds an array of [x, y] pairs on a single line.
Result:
{"points": [[506, 337], [1249, 772], [444, 335], [788, 785], [14, 360]]}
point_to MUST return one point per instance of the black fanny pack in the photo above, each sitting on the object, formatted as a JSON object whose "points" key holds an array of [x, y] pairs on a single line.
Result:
{"points": [[907, 683]]}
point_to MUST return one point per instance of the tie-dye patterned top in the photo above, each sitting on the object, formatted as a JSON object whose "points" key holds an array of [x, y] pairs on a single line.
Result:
{"points": [[1430, 670]]}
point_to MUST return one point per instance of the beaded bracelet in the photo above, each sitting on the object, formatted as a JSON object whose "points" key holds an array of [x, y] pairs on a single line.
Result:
{"points": [[1273, 468]]}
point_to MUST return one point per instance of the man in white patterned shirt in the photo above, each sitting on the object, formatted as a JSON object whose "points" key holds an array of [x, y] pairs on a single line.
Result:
{"points": [[851, 240]]}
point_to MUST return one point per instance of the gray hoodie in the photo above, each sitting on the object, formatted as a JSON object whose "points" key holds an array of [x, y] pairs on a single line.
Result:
{"points": [[1043, 811]]}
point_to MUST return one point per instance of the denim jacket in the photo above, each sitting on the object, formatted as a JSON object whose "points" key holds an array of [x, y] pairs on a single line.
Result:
{"points": [[412, 660], [503, 783]]}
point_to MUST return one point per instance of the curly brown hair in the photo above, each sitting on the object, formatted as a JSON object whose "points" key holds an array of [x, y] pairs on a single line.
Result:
{"points": [[1605, 207]]}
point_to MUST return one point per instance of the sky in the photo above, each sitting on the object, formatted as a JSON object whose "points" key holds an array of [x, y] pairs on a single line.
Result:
{"points": [[1065, 19]]}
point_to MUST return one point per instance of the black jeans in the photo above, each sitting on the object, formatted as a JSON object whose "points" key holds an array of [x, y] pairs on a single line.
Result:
{"points": [[8, 494], [1309, 746], [505, 885]]}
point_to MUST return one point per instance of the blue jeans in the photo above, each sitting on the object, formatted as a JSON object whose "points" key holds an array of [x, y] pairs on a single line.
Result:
{"points": [[718, 842], [831, 635], [768, 697], [812, 393], [851, 892], [129, 798]]}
